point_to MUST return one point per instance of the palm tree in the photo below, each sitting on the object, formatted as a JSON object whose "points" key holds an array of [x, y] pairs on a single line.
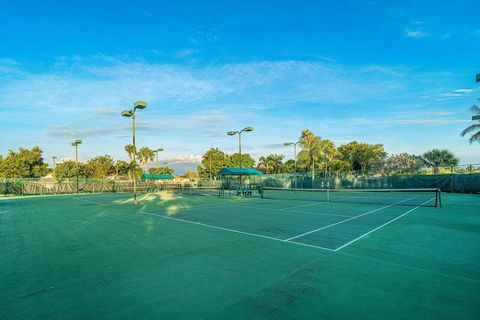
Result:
{"points": [[145, 155], [130, 150], [474, 127], [276, 161], [329, 152], [311, 148], [263, 163], [131, 168], [439, 158]]}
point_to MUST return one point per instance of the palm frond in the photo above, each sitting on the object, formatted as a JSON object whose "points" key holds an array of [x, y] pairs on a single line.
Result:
{"points": [[475, 138], [475, 109], [469, 129]]}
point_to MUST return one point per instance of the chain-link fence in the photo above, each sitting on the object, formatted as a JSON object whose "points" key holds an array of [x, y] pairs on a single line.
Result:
{"points": [[16, 187]]}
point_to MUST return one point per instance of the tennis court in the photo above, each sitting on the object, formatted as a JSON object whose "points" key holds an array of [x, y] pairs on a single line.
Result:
{"points": [[288, 255]]}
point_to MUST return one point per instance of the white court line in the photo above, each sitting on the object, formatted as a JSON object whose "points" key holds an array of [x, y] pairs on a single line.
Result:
{"points": [[383, 225], [221, 228], [233, 230], [194, 207], [294, 211], [353, 218]]}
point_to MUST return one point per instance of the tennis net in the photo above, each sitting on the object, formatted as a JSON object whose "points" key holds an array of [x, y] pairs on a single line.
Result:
{"points": [[401, 197]]}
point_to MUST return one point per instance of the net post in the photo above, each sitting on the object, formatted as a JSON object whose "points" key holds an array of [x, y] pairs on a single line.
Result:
{"points": [[328, 191], [439, 198]]}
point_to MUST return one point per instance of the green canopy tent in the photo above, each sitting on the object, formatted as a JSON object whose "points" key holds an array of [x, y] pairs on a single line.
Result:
{"points": [[240, 172]]}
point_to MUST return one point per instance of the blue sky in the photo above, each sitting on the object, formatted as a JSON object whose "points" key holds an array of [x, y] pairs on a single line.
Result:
{"points": [[400, 73]]}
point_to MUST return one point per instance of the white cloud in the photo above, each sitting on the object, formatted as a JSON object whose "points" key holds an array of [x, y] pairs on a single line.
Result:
{"points": [[184, 159], [415, 33], [454, 94], [214, 133], [82, 98], [185, 53]]}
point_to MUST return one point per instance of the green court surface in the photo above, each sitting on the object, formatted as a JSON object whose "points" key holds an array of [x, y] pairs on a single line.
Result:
{"points": [[96, 256]]}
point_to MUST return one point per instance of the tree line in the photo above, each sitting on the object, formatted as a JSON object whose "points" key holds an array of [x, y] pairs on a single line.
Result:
{"points": [[26, 163], [316, 156], [321, 157]]}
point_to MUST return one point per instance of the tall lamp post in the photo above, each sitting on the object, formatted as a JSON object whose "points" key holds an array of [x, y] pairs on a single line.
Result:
{"points": [[294, 144], [75, 144], [54, 158], [131, 113], [232, 133], [157, 151]]}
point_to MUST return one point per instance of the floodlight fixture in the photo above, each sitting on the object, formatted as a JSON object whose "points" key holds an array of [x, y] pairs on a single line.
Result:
{"points": [[140, 105], [127, 113], [294, 144]]}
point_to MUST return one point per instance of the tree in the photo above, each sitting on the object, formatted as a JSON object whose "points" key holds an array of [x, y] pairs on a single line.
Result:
{"points": [[134, 167], [263, 163], [130, 151], [161, 170], [68, 169], [23, 164], [329, 152], [404, 163], [145, 155], [362, 156], [475, 128], [99, 167], [339, 167], [191, 175], [275, 160], [246, 161], [213, 161], [288, 166], [311, 149], [121, 168], [436, 158]]}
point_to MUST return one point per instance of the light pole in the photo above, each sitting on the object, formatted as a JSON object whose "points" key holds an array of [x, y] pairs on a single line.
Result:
{"points": [[75, 144], [294, 144], [131, 113], [157, 151], [232, 133], [54, 165]]}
